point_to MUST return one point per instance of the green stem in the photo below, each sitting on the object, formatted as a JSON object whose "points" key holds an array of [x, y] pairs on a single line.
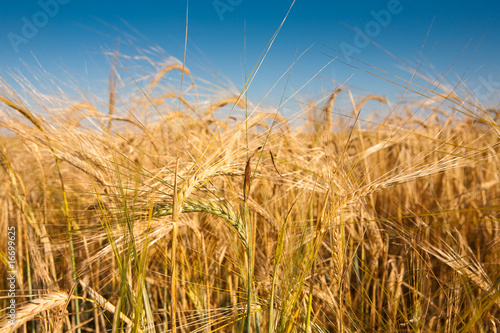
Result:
{"points": [[249, 268]]}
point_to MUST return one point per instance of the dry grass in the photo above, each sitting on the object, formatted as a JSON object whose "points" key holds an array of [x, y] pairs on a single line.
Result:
{"points": [[333, 224]]}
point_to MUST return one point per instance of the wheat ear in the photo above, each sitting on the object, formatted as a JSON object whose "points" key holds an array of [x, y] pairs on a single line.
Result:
{"points": [[33, 308]]}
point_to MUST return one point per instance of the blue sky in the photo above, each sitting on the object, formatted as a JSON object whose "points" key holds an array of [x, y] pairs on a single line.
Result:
{"points": [[69, 36]]}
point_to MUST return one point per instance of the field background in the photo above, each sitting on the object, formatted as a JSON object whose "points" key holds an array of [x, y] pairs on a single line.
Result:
{"points": [[162, 201]]}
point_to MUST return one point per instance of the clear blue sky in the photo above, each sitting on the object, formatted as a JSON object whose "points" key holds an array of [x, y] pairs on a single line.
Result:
{"points": [[71, 35]]}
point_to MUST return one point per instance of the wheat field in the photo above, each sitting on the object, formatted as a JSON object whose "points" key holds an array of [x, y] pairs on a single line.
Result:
{"points": [[199, 211]]}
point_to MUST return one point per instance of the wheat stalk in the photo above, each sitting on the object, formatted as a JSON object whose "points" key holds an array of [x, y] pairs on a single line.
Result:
{"points": [[106, 305]]}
